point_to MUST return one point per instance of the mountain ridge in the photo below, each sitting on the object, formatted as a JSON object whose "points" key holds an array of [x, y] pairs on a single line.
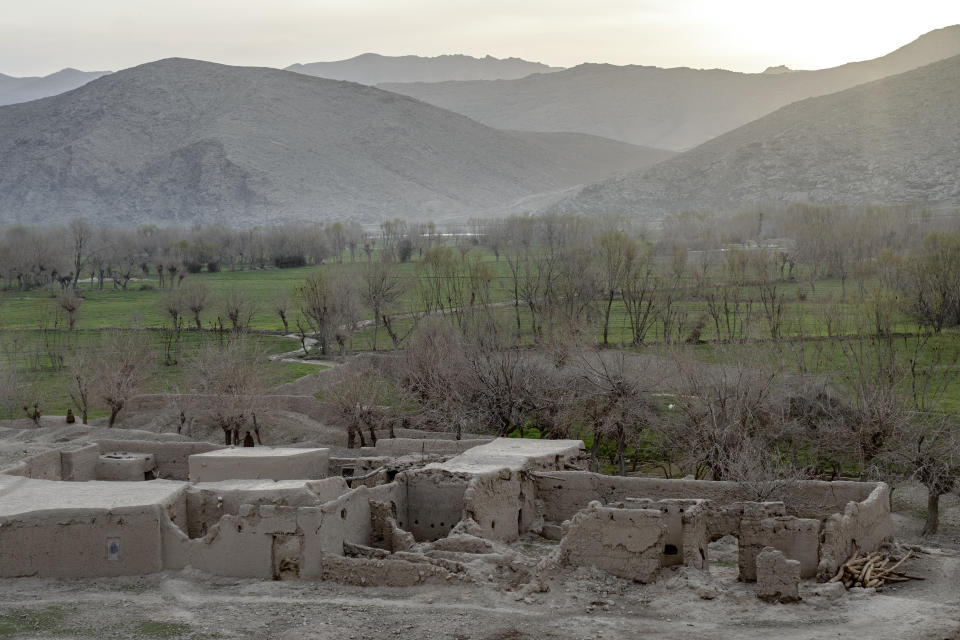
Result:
{"points": [[891, 141], [14, 90], [675, 108], [374, 68], [183, 141]]}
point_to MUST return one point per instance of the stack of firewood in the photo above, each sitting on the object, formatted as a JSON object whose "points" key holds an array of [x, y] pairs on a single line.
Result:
{"points": [[872, 570]]}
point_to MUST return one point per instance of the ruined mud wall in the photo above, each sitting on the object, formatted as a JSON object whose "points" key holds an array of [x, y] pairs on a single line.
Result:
{"points": [[434, 502], [171, 457], [565, 492], [861, 526], [43, 466], [80, 465], [269, 541], [797, 538], [207, 503], [502, 503], [624, 542]]}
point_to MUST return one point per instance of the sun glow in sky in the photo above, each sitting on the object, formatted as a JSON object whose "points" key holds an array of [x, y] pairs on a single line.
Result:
{"points": [[41, 36]]}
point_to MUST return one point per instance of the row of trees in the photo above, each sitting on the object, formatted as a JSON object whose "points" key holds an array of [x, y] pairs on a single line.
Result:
{"points": [[223, 382], [762, 417], [33, 257]]}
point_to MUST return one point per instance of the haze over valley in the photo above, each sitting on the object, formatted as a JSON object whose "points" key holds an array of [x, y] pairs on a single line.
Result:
{"points": [[187, 141]]}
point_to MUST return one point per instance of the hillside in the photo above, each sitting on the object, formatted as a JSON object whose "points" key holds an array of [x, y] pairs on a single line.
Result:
{"points": [[14, 90], [665, 108], [187, 141], [371, 68], [892, 141]]}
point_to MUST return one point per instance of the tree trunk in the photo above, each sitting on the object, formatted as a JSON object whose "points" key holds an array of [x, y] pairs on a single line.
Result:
{"points": [[114, 410], [621, 458], [606, 318], [933, 514], [594, 451]]}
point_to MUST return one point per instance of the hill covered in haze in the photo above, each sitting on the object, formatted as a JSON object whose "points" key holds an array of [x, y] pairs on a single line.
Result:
{"points": [[372, 68], [14, 90], [187, 141], [666, 108], [892, 141]]}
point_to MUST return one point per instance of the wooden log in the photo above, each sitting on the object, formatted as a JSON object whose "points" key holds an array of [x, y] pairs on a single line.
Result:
{"points": [[900, 562]]}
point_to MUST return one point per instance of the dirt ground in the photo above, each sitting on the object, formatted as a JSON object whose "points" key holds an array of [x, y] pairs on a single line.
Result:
{"points": [[579, 603]]}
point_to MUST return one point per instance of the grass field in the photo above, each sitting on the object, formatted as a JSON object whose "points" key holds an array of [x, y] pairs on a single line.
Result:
{"points": [[51, 384], [807, 308]]}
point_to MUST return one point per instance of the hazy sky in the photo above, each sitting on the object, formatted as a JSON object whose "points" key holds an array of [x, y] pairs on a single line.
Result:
{"points": [[41, 36]]}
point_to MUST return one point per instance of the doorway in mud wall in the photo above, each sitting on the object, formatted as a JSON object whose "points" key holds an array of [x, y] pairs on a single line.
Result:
{"points": [[287, 556]]}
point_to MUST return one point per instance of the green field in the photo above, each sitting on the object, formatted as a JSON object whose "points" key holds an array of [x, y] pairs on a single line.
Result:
{"points": [[32, 317]]}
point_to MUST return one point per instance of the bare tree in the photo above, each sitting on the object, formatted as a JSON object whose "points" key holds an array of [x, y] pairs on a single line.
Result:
{"points": [[81, 234], [328, 306], [617, 253], [195, 296], [229, 382], [239, 308], [615, 402], [720, 407], [122, 367], [381, 288], [360, 398], [927, 449], [80, 366], [281, 305], [70, 302]]}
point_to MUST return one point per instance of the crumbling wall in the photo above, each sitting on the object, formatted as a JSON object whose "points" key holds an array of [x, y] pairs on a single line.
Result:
{"points": [[725, 520], [128, 467], [392, 572], [797, 538], [79, 465], [385, 533], [819, 499], [327, 527], [43, 466], [778, 577], [244, 545], [565, 492], [624, 542], [501, 503], [207, 502], [171, 457], [434, 502], [861, 526]]}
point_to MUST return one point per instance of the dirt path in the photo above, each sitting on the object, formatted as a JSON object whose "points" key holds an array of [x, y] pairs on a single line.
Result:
{"points": [[289, 356]]}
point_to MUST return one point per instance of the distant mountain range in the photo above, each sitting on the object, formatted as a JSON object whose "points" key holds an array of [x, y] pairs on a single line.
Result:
{"points": [[187, 141], [892, 141], [665, 108], [13, 90], [372, 68]]}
